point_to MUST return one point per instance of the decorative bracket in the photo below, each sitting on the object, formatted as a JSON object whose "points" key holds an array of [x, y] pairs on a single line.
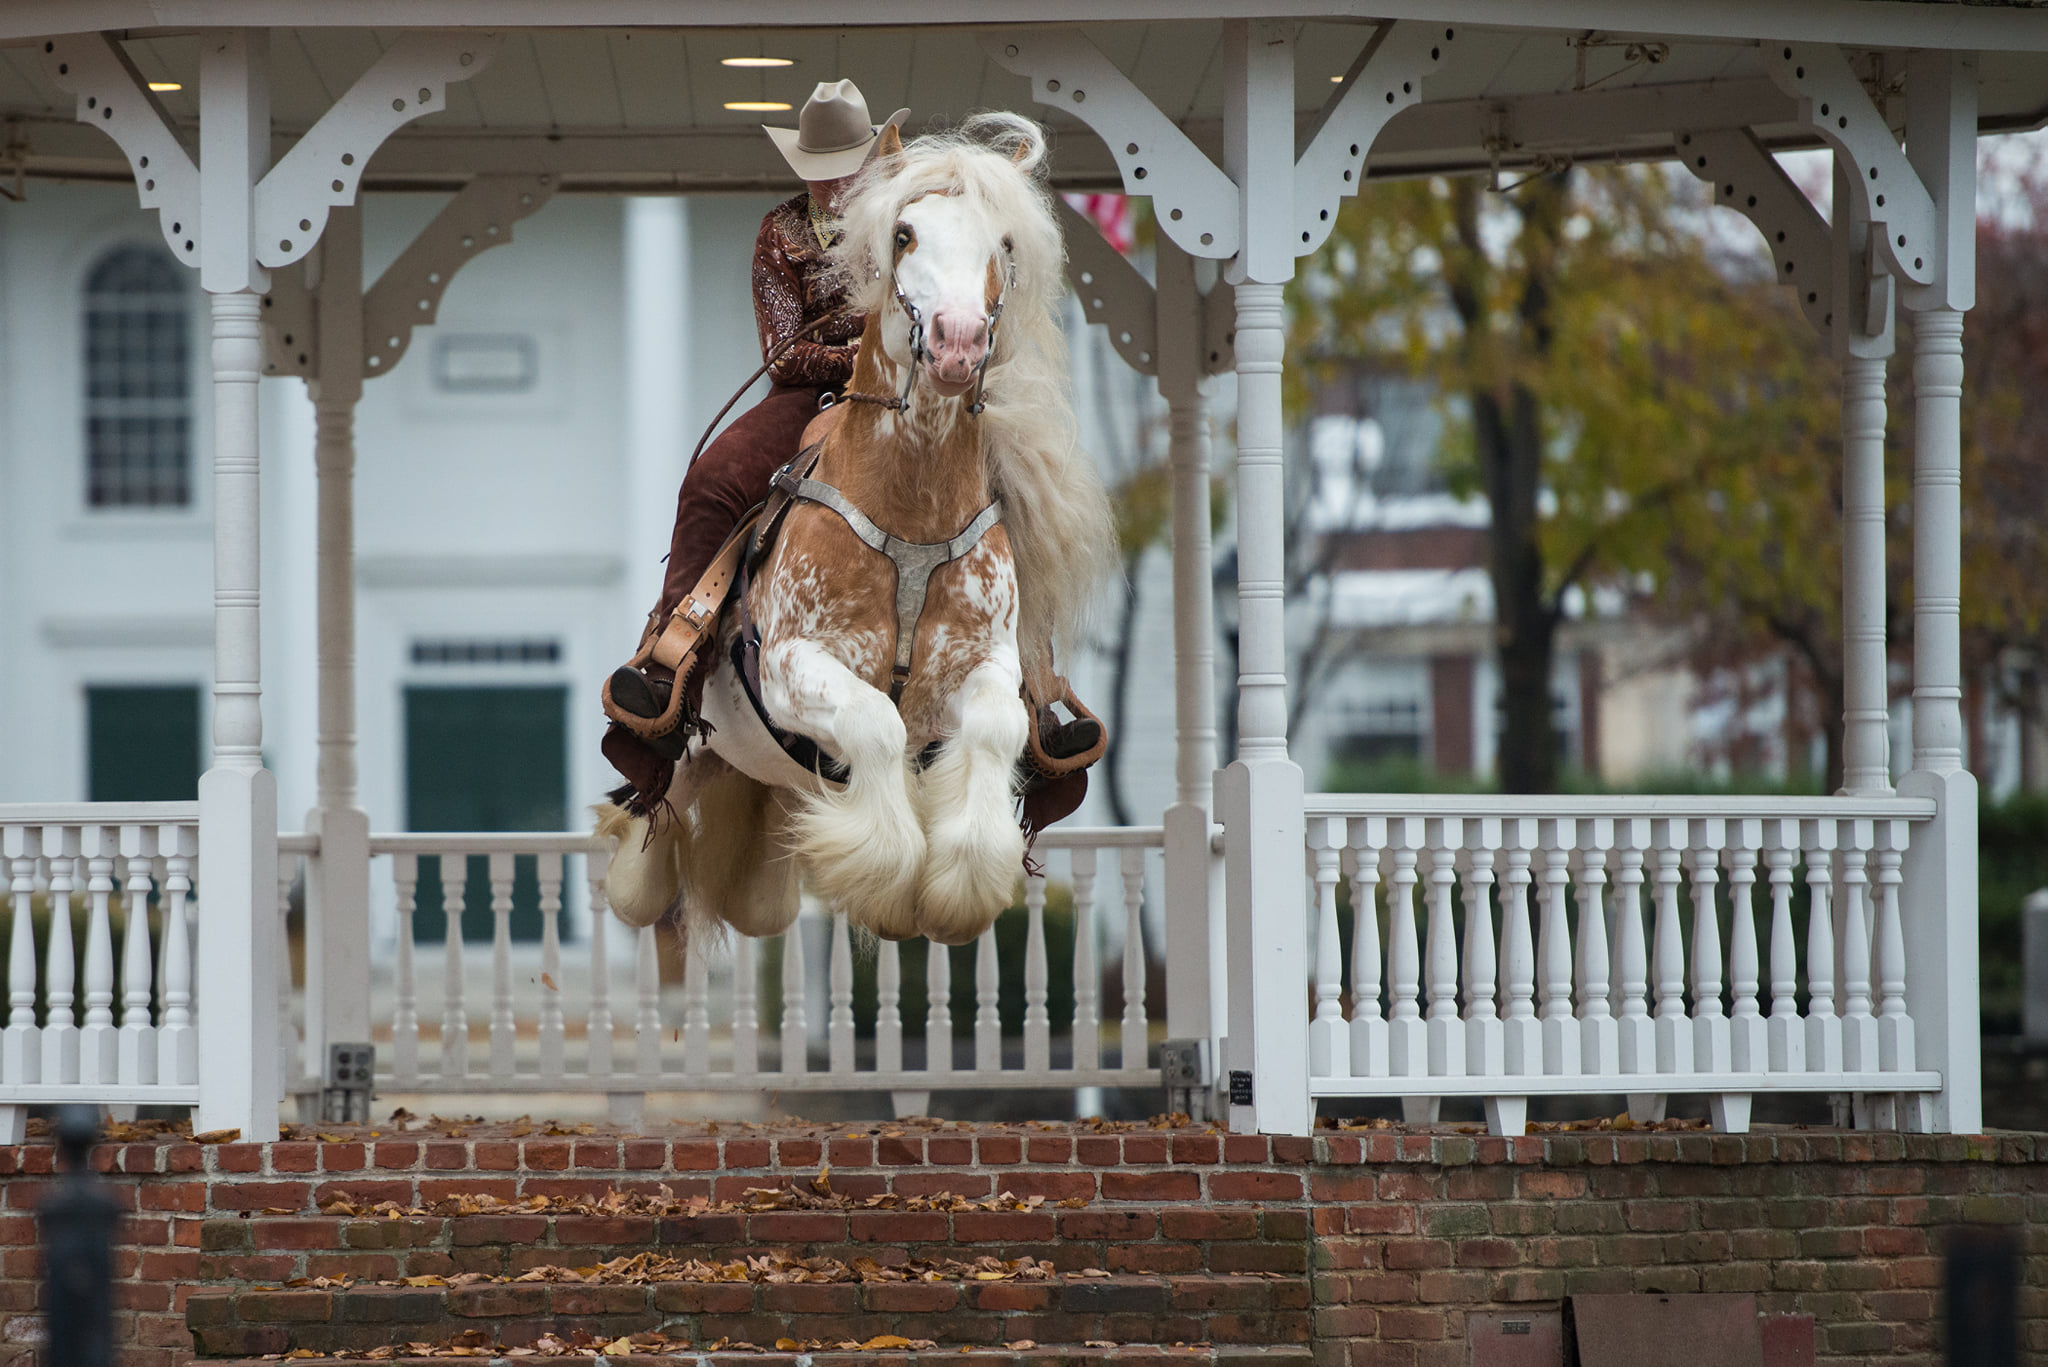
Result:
{"points": [[408, 294], [1749, 180], [113, 97], [1834, 104], [1195, 203], [325, 166], [1386, 79], [1112, 292], [323, 169]]}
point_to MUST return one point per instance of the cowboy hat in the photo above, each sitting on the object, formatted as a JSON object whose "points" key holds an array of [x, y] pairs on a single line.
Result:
{"points": [[832, 136]]}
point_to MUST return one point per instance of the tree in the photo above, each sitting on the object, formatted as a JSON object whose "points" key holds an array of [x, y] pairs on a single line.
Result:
{"points": [[1612, 380]]}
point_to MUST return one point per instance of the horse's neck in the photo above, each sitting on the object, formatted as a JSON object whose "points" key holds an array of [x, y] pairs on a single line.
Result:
{"points": [[919, 477]]}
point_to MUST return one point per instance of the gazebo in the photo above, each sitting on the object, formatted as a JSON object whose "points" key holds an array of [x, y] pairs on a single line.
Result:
{"points": [[1246, 131]]}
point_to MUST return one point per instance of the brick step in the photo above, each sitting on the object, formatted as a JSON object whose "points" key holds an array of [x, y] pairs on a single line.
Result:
{"points": [[1039, 1355], [1200, 1309], [1116, 1238]]}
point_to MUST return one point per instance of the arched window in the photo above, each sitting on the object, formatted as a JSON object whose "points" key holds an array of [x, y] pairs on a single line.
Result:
{"points": [[138, 381]]}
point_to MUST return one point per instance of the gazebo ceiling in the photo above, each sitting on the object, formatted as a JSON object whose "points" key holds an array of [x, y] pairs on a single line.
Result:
{"points": [[622, 109]]}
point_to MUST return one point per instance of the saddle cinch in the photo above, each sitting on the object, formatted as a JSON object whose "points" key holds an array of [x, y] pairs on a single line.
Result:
{"points": [[680, 643]]}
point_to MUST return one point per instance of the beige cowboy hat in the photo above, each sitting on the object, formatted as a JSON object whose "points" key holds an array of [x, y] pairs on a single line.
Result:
{"points": [[832, 137]]}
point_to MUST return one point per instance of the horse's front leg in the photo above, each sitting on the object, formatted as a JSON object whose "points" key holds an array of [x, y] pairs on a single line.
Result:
{"points": [[967, 797], [863, 847]]}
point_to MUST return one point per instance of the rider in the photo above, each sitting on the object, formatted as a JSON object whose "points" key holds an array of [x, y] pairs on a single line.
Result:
{"points": [[798, 311]]}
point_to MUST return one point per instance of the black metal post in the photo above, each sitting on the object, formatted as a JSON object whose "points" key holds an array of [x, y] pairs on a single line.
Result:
{"points": [[1983, 1297], [78, 1250]]}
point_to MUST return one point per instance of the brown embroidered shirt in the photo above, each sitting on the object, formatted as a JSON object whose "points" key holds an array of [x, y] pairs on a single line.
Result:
{"points": [[793, 287]]}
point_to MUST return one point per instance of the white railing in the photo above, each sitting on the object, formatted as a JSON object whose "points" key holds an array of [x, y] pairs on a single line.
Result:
{"points": [[1634, 946], [76, 1030], [595, 1016]]}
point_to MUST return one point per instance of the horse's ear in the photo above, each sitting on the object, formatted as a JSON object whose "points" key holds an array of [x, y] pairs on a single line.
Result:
{"points": [[890, 144], [1023, 154]]}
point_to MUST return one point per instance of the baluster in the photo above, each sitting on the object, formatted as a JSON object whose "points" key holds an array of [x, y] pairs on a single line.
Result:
{"points": [[1749, 1044], [177, 1042], [1599, 1037], [1710, 1046], [1407, 1036], [1636, 1038], [597, 1059], [1329, 1039], [553, 871], [1784, 1031], [938, 1008], [21, 1043], [746, 1023], [504, 1027], [454, 1009], [1134, 1050], [1087, 1024], [988, 1016], [137, 1046], [696, 1006], [889, 1009], [796, 1025], [1823, 1026], [289, 1047], [405, 1016], [1485, 1037], [1366, 835], [60, 968], [1859, 1024], [647, 992], [1896, 1050], [1667, 954], [1445, 1031], [839, 1027], [97, 1042], [1561, 1050], [1037, 1021], [1521, 1032]]}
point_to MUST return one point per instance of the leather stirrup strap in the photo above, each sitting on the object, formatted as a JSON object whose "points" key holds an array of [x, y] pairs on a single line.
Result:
{"points": [[681, 639]]}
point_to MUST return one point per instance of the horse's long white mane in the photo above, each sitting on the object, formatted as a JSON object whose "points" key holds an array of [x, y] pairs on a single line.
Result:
{"points": [[1055, 510]]}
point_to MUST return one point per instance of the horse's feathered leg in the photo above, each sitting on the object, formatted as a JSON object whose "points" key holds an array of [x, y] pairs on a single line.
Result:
{"points": [[975, 846], [863, 847]]}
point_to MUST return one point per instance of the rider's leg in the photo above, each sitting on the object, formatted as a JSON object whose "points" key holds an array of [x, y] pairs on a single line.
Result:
{"points": [[967, 797]]}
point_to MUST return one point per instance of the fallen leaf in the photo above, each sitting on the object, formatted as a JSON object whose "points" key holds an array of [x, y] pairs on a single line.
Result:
{"points": [[886, 1341], [217, 1137], [549, 983], [822, 1183], [1021, 1345]]}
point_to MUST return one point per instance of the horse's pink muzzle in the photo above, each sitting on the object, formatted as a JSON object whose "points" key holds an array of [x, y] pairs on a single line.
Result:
{"points": [[958, 344]]}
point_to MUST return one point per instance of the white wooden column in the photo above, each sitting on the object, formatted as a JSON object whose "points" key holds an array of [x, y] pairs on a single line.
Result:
{"points": [[1195, 996], [657, 319], [1940, 889], [1260, 795], [338, 885], [238, 922]]}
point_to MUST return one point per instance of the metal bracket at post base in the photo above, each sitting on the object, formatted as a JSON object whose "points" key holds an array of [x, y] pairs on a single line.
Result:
{"points": [[1185, 1071], [345, 1099]]}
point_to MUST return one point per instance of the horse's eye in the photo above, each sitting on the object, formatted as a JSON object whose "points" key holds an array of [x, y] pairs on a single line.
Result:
{"points": [[1008, 246], [903, 236]]}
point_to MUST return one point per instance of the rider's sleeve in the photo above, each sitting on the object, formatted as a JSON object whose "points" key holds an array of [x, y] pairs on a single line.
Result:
{"points": [[779, 315]]}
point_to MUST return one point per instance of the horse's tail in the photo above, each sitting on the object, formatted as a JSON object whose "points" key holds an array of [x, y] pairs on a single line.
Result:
{"points": [[717, 860]]}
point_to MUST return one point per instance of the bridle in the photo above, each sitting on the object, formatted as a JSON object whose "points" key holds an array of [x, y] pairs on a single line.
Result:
{"points": [[919, 353]]}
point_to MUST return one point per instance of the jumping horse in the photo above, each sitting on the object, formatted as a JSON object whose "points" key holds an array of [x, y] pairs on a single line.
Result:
{"points": [[864, 711]]}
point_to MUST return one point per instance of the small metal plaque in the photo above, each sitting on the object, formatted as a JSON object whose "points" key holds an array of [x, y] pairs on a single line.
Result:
{"points": [[1240, 1087], [1520, 1338]]}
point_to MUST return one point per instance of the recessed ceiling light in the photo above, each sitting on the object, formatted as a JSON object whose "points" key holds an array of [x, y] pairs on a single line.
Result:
{"points": [[1336, 80], [166, 85], [755, 61], [758, 106]]}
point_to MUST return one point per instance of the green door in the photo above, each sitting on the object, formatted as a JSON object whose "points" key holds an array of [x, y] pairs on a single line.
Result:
{"points": [[484, 759], [142, 744]]}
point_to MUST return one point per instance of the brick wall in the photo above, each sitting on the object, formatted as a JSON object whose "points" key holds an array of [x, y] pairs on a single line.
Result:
{"points": [[1398, 1235]]}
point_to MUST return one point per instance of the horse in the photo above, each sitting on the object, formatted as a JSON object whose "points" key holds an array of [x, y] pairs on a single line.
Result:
{"points": [[956, 440]]}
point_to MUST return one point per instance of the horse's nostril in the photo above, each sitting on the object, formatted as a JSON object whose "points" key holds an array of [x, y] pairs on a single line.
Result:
{"points": [[939, 331]]}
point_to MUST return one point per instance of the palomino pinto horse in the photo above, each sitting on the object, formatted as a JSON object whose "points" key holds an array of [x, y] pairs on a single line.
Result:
{"points": [[952, 455]]}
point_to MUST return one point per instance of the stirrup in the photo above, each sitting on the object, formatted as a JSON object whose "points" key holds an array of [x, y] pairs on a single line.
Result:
{"points": [[1034, 747]]}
